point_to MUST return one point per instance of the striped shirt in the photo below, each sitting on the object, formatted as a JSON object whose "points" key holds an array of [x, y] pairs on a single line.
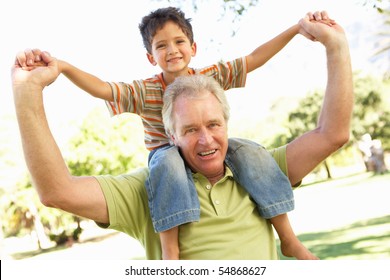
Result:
{"points": [[145, 97]]}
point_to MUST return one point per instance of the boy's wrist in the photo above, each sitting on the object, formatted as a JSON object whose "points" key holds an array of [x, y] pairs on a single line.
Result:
{"points": [[295, 28], [61, 66]]}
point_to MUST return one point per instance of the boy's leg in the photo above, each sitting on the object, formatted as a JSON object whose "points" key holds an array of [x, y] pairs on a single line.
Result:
{"points": [[172, 196], [269, 187], [170, 244], [290, 245], [257, 172]]}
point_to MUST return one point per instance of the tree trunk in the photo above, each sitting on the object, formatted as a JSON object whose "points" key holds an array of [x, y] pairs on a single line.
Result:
{"points": [[43, 240], [327, 170]]}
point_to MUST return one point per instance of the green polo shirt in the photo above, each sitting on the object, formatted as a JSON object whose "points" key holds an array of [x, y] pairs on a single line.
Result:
{"points": [[229, 227]]}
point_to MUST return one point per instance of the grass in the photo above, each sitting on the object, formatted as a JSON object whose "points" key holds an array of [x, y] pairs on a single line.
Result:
{"points": [[345, 235], [365, 240]]}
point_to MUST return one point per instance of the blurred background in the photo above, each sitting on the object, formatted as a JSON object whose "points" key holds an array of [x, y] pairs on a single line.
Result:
{"points": [[342, 209]]}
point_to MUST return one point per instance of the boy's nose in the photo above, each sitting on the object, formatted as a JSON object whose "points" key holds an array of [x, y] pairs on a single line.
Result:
{"points": [[172, 49]]}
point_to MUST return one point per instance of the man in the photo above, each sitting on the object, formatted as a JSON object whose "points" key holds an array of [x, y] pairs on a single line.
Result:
{"points": [[230, 227]]}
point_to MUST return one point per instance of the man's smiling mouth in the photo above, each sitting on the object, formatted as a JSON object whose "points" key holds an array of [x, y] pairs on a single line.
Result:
{"points": [[203, 154]]}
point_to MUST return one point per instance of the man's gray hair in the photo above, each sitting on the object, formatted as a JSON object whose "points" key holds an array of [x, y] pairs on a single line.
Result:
{"points": [[191, 86]]}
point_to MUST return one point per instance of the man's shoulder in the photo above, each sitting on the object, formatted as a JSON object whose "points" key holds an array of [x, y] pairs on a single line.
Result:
{"points": [[140, 174], [136, 179], [280, 156]]}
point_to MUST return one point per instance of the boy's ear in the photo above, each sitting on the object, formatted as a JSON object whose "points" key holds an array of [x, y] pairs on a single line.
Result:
{"points": [[194, 48], [151, 59]]}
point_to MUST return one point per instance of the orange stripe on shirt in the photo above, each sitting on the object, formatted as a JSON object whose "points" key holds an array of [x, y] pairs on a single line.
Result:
{"points": [[151, 119], [149, 101], [151, 133], [230, 71], [118, 101], [134, 101], [113, 108]]}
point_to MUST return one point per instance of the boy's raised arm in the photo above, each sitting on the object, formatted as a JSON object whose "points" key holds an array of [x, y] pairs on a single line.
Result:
{"points": [[86, 81], [267, 50]]}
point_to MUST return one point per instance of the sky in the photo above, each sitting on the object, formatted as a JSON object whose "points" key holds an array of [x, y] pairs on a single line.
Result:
{"points": [[102, 37]]}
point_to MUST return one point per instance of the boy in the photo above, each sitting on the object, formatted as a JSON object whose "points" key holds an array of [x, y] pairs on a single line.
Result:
{"points": [[168, 39]]}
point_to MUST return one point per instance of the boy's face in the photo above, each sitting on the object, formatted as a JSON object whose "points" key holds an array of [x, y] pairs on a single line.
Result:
{"points": [[171, 50]]}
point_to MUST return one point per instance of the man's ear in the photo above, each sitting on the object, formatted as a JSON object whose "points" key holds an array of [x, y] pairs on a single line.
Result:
{"points": [[173, 139], [151, 59]]}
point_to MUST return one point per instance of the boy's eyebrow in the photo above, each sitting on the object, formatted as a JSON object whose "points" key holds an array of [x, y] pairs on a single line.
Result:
{"points": [[175, 38]]}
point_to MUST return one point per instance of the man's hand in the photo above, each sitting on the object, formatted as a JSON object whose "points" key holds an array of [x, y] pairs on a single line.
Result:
{"points": [[33, 68], [319, 27]]}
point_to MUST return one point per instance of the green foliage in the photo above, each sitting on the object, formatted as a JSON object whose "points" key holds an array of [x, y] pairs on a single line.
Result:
{"points": [[103, 145], [21, 210], [233, 8], [371, 111], [305, 117], [371, 115], [379, 5], [106, 146]]}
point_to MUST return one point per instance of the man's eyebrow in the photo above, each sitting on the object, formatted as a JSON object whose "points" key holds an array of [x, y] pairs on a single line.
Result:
{"points": [[214, 121], [186, 126]]}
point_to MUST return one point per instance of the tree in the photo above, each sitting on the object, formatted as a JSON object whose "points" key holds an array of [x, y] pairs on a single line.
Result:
{"points": [[383, 41], [101, 146], [305, 119], [234, 8], [106, 146], [371, 114]]}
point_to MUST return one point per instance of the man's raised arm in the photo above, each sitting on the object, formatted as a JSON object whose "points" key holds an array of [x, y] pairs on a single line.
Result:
{"points": [[333, 128], [55, 185]]}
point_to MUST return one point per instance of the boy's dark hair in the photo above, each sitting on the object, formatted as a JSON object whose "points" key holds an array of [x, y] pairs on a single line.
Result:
{"points": [[156, 20]]}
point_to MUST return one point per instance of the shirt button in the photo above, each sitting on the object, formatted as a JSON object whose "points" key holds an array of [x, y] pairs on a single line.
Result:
{"points": [[217, 202], [208, 187]]}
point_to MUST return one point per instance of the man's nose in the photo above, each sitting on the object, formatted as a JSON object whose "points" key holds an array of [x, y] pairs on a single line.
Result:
{"points": [[205, 137]]}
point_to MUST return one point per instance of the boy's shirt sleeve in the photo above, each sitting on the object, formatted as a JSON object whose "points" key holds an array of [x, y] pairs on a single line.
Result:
{"points": [[231, 74], [128, 98]]}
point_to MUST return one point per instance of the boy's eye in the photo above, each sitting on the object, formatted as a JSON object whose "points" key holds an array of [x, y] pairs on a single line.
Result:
{"points": [[160, 46]]}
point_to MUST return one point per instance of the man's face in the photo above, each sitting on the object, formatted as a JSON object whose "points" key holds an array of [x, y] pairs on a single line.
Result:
{"points": [[201, 134]]}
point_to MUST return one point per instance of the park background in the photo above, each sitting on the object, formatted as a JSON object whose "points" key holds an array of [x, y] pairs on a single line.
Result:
{"points": [[342, 211]]}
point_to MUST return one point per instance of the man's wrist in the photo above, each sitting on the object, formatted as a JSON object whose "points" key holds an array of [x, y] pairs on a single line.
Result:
{"points": [[27, 93]]}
